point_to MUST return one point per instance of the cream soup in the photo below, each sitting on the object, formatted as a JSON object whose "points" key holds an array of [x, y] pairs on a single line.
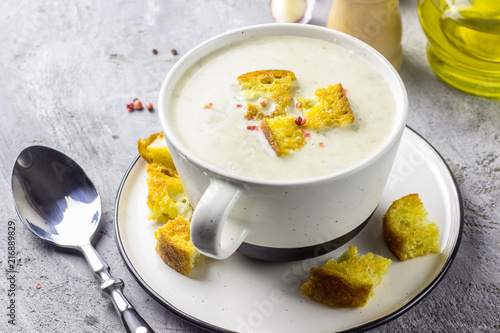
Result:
{"points": [[207, 116]]}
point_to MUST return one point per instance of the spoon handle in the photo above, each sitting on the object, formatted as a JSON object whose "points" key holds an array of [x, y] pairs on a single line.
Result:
{"points": [[113, 289]]}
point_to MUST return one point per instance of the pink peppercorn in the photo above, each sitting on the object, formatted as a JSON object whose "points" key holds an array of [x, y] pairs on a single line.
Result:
{"points": [[300, 121], [137, 104]]}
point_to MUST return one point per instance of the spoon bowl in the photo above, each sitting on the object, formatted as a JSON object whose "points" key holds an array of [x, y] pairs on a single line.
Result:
{"points": [[57, 202], [54, 197]]}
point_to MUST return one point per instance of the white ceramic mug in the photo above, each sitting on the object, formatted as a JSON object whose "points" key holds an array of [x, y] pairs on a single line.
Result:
{"points": [[281, 220]]}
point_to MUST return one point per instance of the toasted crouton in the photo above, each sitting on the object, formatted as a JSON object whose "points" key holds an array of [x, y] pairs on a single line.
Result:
{"points": [[269, 84], [154, 150], [174, 246], [407, 229], [329, 107], [166, 195], [283, 134], [347, 282]]}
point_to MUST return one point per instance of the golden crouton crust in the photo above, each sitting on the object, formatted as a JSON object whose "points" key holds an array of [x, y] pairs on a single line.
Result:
{"points": [[270, 137], [174, 246], [329, 107], [142, 146], [253, 112], [332, 289], [273, 84], [348, 281], [283, 134], [266, 77], [166, 194], [407, 231], [154, 149]]}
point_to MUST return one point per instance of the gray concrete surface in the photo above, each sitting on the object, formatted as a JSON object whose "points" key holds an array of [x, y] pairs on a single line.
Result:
{"points": [[67, 70]]}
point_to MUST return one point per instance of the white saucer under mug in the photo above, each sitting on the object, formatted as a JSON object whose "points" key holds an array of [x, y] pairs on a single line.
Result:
{"points": [[247, 295]]}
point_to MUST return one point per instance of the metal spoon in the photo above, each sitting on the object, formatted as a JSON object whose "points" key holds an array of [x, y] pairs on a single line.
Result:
{"points": [[57, 202]]}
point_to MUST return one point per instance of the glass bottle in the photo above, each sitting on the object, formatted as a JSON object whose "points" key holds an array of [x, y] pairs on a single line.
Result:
{"points": [[464, 43], [376, 22]]}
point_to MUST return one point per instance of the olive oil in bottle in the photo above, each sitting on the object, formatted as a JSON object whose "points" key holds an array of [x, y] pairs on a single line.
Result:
{"points": [[464, 43]]}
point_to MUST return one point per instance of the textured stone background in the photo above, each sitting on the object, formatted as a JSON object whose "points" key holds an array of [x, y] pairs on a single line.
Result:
{"points": [[67, 69]]}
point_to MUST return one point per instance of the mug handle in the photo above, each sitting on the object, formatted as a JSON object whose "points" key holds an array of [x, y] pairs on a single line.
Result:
{"points": [[211, 234]]}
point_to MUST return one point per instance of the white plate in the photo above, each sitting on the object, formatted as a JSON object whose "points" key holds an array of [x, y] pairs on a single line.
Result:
{"points": [[247, 295]]}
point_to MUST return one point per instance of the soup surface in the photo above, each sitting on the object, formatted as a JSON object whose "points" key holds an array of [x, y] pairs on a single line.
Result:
{"points": [[207, 111]]}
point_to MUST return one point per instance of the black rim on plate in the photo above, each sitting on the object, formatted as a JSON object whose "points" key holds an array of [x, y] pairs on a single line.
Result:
{"points": [[375, 323]]}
